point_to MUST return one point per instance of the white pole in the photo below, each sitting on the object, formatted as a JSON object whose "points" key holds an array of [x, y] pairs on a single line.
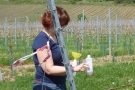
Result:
{"points": [[109, 30], [1, 78], [116, 29], [15, 30]]}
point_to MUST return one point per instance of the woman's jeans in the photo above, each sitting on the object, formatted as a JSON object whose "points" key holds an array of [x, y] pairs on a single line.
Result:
{"points": [[48, 86]]}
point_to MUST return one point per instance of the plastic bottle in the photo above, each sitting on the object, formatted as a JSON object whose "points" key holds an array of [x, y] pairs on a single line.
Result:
{"points": [[74, 64], [89, 62]]}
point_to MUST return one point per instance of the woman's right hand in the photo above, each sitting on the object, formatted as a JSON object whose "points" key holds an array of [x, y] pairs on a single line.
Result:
{"points": [[80, 68]]}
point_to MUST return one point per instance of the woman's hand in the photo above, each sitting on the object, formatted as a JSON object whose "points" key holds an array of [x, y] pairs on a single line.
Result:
{"points": [[81, 67]]}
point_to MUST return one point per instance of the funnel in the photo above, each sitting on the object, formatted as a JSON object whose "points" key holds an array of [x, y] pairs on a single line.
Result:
{"points": [[74, 63], [76, 55]]}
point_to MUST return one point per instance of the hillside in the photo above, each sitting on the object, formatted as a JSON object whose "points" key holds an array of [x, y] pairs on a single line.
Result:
{"points": [[34, 11]]}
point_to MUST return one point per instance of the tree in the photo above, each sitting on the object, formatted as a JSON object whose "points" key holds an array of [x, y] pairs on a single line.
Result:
{"points": [[80, 16]]}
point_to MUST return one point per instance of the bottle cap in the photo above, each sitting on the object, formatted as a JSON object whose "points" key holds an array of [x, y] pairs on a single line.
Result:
{"points": [[88, 56]]}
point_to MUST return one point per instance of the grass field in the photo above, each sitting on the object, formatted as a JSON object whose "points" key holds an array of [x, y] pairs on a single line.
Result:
{"points": [[112, 76]]}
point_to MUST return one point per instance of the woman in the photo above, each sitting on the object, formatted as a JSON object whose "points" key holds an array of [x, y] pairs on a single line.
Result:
{"points": [[50, 72]]}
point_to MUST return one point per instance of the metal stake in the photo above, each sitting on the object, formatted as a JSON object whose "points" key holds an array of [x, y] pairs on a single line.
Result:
{"points": [[62, 44]]}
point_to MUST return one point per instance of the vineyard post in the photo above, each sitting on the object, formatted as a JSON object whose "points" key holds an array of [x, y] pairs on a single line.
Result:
{"points": [[1, 78], [109, 30], [134, 25], [116, 29], [5, 29], [15, 29], [97, 29], [62, 44], [27, 30], [82, 31]]}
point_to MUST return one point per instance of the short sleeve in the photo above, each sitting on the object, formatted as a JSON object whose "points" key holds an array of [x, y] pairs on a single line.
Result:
{"points": [[39, 42]]}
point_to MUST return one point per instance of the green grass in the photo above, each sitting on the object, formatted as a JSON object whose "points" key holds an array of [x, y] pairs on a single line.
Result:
{"points": [[105, 77], [21, 83]]}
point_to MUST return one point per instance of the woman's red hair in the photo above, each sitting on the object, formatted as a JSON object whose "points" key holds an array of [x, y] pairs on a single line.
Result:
{"points": [[64, 18]]}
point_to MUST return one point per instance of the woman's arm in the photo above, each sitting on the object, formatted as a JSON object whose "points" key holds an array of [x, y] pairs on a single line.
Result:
{"points": [[48, 66], [51, 69]]}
